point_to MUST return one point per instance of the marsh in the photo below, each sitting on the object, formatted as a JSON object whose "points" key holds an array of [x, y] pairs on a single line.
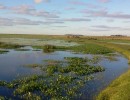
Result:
{"points": [[13, 68]]}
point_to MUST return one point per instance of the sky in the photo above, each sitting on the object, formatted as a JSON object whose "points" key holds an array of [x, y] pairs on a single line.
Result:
{"points": [[84, 17]]}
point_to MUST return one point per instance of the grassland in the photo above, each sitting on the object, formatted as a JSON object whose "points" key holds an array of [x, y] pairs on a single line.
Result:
{"points": [[119, 89]]}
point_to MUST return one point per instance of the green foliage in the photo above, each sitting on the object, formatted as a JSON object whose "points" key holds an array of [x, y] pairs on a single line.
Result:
{"points": [[49, 48], [56, 84], [33, 65], [91, 48], [118, 89], [51, 69], [9, 46]]}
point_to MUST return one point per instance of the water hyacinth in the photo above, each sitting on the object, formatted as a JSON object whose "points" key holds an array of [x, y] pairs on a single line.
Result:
{"points": [[61, 81]]}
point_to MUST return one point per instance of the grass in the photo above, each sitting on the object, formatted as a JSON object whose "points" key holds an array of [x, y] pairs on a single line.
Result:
{"points": [[3, 51], [57, 83], [91, 48], [118, 89], [19, 49], [9, 46], [123, 49], [86, 48], [49, 48]]}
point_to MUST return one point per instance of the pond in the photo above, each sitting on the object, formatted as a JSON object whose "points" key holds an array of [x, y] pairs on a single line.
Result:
{"points": [[12, 67]]}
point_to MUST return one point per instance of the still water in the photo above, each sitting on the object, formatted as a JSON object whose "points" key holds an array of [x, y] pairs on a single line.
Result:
{"points": [[12, 67]]}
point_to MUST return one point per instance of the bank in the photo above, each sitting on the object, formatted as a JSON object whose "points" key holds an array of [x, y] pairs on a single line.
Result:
{"points": [[119, 89]]}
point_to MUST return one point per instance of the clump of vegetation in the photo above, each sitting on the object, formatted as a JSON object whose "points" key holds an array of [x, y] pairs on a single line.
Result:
{"points": [[3, 51], [56, 83], [49, 48], [20, 49], [9, 46], [33, 65], [80, 67], [52, 48], [91, 48]]}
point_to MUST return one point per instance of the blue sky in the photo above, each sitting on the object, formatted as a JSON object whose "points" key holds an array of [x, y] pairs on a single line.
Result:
{"points": [[87, 17]]}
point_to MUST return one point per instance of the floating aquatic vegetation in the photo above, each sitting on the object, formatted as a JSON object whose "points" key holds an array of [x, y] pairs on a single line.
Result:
{"points": [[57, 83], [49, 48], [3, 51], [20, 49], [33, 65]]}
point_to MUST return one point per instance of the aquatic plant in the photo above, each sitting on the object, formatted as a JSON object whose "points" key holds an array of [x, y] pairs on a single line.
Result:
{"points": [[91, 48], [56, 84], [9, 46], [48, 48], [33, 65], [51, 69], [3, 51], [20, 49]]}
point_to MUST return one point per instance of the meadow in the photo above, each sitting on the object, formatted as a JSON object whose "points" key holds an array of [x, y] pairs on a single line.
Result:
{"points": [[72, 73]]}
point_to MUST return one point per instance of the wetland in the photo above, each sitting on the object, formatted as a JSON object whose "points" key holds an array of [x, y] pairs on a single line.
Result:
{"points": [[78, 71]]}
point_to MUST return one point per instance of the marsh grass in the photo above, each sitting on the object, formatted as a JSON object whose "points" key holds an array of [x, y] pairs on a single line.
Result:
{"points": [[3, 51], [9, 46], [33, 65], [20, 49], [85, 48], [57, 83], [91, 48], [50, 48], [119, 88]]}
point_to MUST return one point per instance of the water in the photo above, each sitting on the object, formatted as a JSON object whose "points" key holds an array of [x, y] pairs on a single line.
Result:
{"points": [[12, 67]]}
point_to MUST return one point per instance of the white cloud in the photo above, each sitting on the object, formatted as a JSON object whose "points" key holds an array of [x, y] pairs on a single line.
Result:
{"points": [[39, 1]]}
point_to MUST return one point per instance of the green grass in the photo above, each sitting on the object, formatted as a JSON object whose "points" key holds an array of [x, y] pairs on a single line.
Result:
{"points": [[9, 46], [86, 48], [118, 89], [91, 48]]}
